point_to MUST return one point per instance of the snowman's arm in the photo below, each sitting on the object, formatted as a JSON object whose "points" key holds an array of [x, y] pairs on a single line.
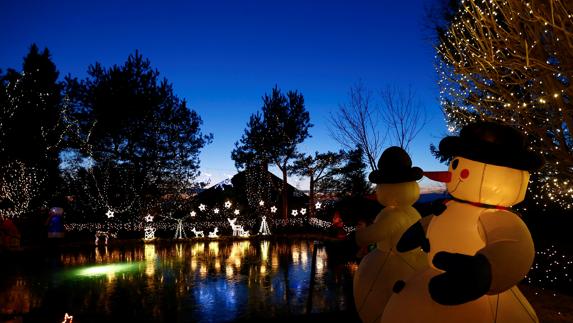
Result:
{"points": [[415, 236], [509, 248], [377, 231]]}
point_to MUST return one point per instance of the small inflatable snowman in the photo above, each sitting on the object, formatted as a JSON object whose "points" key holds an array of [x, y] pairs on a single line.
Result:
{"points": [[384, 269], [479, 248]]}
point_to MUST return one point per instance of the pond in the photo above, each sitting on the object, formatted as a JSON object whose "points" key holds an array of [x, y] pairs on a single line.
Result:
{"points": [[206, 281]]}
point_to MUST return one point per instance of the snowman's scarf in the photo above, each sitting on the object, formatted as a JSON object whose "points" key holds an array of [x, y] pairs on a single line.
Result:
{"points": [[482, 205]]}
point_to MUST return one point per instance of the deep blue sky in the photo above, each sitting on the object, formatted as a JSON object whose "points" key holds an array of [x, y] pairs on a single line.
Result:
{"points": [[222, 56]]}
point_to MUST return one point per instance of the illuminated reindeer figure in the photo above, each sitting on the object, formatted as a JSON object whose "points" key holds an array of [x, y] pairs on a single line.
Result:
{"points": [[213, 234], [198, 233], [105, 235]]}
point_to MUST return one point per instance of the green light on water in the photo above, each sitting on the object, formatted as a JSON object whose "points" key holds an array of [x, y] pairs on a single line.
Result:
{"points": [[107, 269]]}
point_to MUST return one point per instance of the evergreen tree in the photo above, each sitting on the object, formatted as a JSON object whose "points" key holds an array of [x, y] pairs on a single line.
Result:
{"points": [[318, 169], [132, 121], [350, 179], [273, 136], [31, 124]]}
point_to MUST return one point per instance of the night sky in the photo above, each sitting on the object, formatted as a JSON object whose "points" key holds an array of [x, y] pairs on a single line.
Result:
{"points": [[222, 56]]}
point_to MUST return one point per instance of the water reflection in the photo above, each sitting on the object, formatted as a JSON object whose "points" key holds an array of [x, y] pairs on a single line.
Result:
{"points": [[213, 281]]}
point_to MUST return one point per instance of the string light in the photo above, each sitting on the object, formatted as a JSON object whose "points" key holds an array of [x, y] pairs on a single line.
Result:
{"points": [[264, 228], [273, 209], [513, 67], [198, 234], [213, 234], [109, 214]]}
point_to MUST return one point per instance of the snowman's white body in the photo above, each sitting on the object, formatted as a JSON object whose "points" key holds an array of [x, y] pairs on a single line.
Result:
{"points": [[414, 304], [384, 266], [466, 228]]}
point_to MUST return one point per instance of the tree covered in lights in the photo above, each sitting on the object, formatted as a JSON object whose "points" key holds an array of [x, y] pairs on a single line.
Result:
{"points": [[32, 126], [272, 137], [510, 61], [318, 168], [130, 119]]}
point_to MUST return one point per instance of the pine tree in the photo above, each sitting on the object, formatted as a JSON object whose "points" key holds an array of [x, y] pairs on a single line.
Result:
{"points": [[31, 124]]}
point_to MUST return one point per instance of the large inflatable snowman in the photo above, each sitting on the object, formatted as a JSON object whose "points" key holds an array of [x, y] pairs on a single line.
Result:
{"points": [[479, 248], [384, 269]]}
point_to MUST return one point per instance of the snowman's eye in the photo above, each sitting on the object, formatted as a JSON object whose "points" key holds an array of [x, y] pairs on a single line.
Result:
{"points": [[455, 163]]}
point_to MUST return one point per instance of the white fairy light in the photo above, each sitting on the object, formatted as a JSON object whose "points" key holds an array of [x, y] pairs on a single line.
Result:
{"points": [[318, 205], [109, 214], [261, 203], [303, 211], [273, 209], [202, 207], [149, 218], [216, 210], [193, 213], [227, 204], [294, 212], [236, 212]]}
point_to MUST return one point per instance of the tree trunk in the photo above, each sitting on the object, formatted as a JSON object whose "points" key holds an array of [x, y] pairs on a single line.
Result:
{"points": [[285, 192], [311, 198]]}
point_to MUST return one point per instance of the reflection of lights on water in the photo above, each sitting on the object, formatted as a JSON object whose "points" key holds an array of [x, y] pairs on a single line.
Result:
{"points": [[321, 259], [217, 265], [265, 250], [203, 270], [304, 255], [229, 271], [295, 251], [150, 255], [110, 269], [275, 261], [214, 248], [197, 248], [263, 268], [179, 250]]}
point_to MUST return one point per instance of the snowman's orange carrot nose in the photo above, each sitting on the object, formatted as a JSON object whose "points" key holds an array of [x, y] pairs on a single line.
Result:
{"points": [[444, 177]]}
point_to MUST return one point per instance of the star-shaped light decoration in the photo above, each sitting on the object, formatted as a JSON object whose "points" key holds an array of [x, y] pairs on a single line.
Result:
{"points": [[202, 207], [318, 205], [236, 212], [303, 211], [227, 204], [261, 203], [294, 213], [149, 218], [216, 210], [193, 213], [109, 214], [273, 209]]}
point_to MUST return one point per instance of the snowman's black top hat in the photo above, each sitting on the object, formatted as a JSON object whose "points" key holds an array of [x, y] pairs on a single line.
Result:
{"points": [[395, 166], [491, 143]]}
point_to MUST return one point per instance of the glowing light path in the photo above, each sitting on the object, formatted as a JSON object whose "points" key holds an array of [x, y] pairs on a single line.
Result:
{"points": [[101, 270]]}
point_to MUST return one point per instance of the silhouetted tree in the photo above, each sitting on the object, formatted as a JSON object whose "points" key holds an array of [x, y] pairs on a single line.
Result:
{"points": [[369, 121], [350, 179], [273, 136], [317, 168], [129, 117]]}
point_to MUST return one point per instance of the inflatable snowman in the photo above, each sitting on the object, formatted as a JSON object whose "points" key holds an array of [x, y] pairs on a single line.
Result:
{"points": [[479, 248], [384, 269]]}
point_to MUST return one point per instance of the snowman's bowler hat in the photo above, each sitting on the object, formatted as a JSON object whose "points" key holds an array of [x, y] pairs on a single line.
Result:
{"points": [[395, 166], [491, 143]]}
